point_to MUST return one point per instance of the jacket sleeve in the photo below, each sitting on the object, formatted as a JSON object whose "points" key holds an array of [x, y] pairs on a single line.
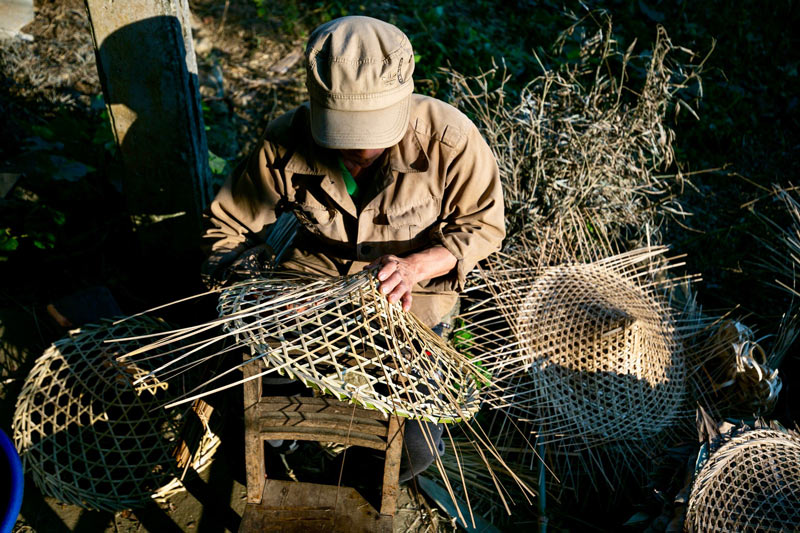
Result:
{"points": [[472, 218], [238, 216]]}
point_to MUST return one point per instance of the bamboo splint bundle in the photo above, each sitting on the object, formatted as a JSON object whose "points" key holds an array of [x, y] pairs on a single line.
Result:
{"points": [[92, 438], [750, 483]]}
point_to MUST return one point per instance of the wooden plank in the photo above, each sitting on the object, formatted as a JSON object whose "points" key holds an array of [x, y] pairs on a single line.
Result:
{"points": [[340, 436], [318, 405], [252, 388], [322, 421], [292, 507], [253, 443]]}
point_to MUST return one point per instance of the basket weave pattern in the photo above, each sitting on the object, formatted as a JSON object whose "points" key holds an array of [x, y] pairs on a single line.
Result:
{"points": [[341, 336], [751, 483], [89, 436], [606, 361]]}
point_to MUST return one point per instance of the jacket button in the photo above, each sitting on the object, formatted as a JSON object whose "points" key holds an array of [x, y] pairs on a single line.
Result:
{"points": [[365, 249]]}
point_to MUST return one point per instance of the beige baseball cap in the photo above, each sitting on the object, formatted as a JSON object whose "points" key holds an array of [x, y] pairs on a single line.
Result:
{"points": [[359, 79]]}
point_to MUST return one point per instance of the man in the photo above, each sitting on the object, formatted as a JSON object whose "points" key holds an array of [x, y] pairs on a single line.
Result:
{"points": [[375, 174]]}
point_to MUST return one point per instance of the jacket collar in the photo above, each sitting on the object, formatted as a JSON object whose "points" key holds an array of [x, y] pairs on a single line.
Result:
{"points": [[406, 157]]}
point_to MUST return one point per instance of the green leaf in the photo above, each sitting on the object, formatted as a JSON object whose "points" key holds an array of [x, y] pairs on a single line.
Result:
{"points": [[58, 217], [219, 165], [574, 53], [42, 131], [44, 241], [68, 169], [8, 243]]}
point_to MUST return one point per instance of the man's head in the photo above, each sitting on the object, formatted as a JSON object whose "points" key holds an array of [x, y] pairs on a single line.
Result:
{"points": [[359, 79]]}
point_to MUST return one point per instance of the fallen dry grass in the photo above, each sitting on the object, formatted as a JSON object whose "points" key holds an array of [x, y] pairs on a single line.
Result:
{"points": [[581, 150]]}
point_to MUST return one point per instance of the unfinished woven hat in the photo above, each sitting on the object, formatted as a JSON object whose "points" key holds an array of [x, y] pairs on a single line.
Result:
{"points": [[89, 436], [342, 337], [604, 360], [590, 361], [751, 483]]}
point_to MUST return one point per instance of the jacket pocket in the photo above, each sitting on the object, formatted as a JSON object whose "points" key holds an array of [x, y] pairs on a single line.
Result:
{"points": [[413, 220]]}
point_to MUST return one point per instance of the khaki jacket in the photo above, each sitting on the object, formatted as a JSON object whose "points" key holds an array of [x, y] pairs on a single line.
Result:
{"points": [[439, 185]]}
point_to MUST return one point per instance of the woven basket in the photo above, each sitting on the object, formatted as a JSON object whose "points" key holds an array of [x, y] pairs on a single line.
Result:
{"points": [[751, 483], [342, 337], [87, 435]]}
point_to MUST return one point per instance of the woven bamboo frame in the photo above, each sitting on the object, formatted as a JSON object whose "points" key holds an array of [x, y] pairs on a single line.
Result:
{"points": [[87, 434], [342, 337], [605, 362], [751, 483]]}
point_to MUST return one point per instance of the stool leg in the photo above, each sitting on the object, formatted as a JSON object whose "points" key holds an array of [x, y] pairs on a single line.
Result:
{"points": [[253, 444], [391, 469]]}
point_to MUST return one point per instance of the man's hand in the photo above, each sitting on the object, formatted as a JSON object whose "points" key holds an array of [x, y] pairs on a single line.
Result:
{"points": [[398, 275]]}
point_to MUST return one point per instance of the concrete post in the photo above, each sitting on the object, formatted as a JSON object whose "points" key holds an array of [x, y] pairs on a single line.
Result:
{"points": [[148, 71]]}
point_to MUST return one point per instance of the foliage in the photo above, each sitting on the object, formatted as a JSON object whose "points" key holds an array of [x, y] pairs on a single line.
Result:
{"points": [[466, 36], [61, 150]]}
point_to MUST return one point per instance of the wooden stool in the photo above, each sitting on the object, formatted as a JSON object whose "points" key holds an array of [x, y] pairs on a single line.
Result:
{"points": [[289, 506]]}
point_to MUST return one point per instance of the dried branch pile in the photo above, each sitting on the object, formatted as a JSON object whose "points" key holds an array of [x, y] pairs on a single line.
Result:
{"points": [[580, 151], [58, 66]]}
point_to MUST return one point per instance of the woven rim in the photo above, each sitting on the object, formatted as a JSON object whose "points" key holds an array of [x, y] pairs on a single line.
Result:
{"points": [[751, 483], [342, 337], [87, 434]]}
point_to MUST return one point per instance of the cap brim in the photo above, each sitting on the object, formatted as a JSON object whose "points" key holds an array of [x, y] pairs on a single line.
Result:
{"points": [[352, 130]]}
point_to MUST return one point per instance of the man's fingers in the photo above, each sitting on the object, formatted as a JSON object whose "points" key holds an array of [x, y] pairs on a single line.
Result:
{"points": [[393, 284], [389, 284], [406, 301], [387, 270], [398, 292]]}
